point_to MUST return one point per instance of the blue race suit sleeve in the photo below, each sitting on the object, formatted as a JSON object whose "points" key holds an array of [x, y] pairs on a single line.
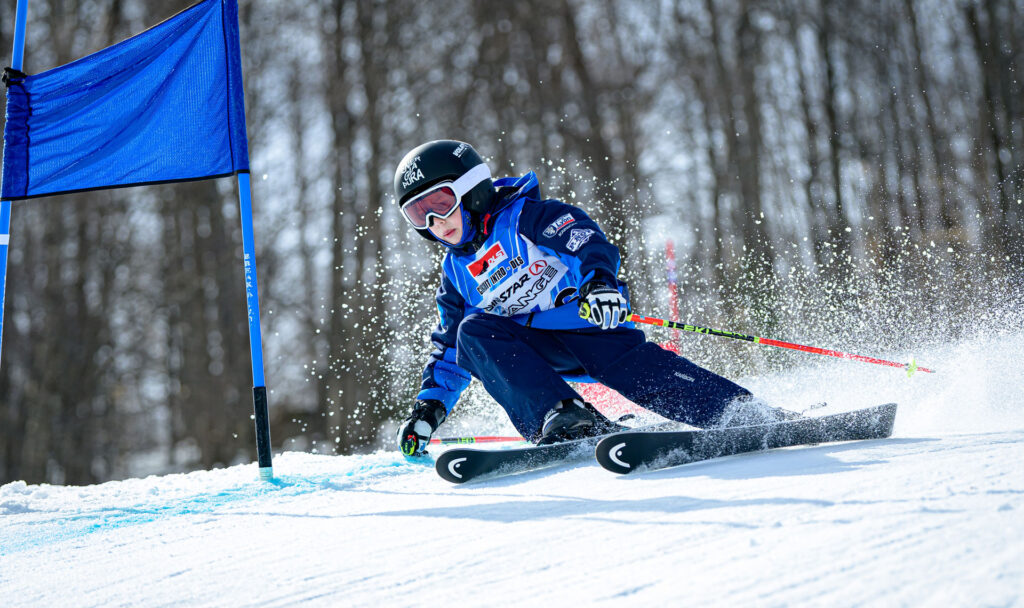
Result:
{"points": [[569, 230], [443, 379]]}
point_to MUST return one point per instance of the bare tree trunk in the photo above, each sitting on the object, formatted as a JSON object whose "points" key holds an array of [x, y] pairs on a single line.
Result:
{"points": [[993, 214], [945, 212], [837, 217], [749, 147], [608, 200], [210, 358], [727, 162], [813, 185], [370, 345]]}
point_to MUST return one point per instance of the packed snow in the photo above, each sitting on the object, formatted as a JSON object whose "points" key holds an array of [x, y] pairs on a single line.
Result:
{"points": [[932, 516]]}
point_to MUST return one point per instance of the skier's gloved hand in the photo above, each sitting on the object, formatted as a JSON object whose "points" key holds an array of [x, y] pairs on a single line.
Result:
{"points": [[603, 305], [415, 432]]}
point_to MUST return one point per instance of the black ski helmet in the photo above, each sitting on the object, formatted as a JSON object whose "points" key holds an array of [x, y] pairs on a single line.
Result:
{"points": [[437, 161]]}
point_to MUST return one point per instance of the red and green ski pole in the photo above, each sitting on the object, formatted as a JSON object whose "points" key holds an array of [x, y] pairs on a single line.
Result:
{"points": [[473, 439], [910, 367]]}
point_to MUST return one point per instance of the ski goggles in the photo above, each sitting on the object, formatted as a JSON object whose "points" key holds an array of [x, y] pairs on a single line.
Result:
{"points": [[441, 200]]}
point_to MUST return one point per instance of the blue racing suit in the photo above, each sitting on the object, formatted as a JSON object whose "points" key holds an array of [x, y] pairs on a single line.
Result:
{"points": [[509, 316]]}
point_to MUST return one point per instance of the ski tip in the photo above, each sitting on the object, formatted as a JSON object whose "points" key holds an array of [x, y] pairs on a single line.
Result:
{"points": [[888, 418], [612, 454], [449, 467]]}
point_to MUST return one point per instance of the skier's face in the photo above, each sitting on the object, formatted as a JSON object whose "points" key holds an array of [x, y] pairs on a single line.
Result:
{"points": [[447, 229]]}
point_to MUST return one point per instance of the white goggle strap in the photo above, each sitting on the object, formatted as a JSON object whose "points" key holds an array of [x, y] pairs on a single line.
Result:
{"points": [[470, 179]]}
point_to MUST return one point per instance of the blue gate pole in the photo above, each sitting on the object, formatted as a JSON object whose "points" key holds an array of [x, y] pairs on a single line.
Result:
{"points": [[252, 301], [17, 62]]}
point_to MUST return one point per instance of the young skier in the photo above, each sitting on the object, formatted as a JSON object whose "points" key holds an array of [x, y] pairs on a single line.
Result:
{"points": [[529, 297]]}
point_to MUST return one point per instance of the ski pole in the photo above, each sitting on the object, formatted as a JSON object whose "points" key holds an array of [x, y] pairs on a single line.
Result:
{"points": [[910, 367], [473, 439]]}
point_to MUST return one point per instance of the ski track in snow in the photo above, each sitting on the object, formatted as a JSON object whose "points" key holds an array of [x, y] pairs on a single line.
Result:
{"points": [[933, 516]]}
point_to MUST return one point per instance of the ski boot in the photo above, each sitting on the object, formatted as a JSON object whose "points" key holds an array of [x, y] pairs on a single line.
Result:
{"points": [[574, 419]]}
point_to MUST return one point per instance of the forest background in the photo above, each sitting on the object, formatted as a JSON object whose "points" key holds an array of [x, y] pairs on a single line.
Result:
{"points": [[843, 173]]}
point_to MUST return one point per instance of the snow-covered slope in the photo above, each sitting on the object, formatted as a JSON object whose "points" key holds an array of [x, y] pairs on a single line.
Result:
{"points": [[932, 516]]}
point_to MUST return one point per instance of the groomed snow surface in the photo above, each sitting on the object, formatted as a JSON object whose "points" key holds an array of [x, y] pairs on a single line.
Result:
{"points": [[933, 516]]}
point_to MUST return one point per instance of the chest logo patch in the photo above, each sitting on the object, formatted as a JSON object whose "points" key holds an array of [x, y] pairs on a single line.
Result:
{"points": [[488, 260]]}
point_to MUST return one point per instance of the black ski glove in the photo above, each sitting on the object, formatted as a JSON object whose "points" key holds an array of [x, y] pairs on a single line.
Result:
{"points": [[415, 432], [603, 305]]}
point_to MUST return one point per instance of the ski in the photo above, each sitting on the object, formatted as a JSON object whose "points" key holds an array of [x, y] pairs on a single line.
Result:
{"points": [[628, 451], [459, 465]]}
